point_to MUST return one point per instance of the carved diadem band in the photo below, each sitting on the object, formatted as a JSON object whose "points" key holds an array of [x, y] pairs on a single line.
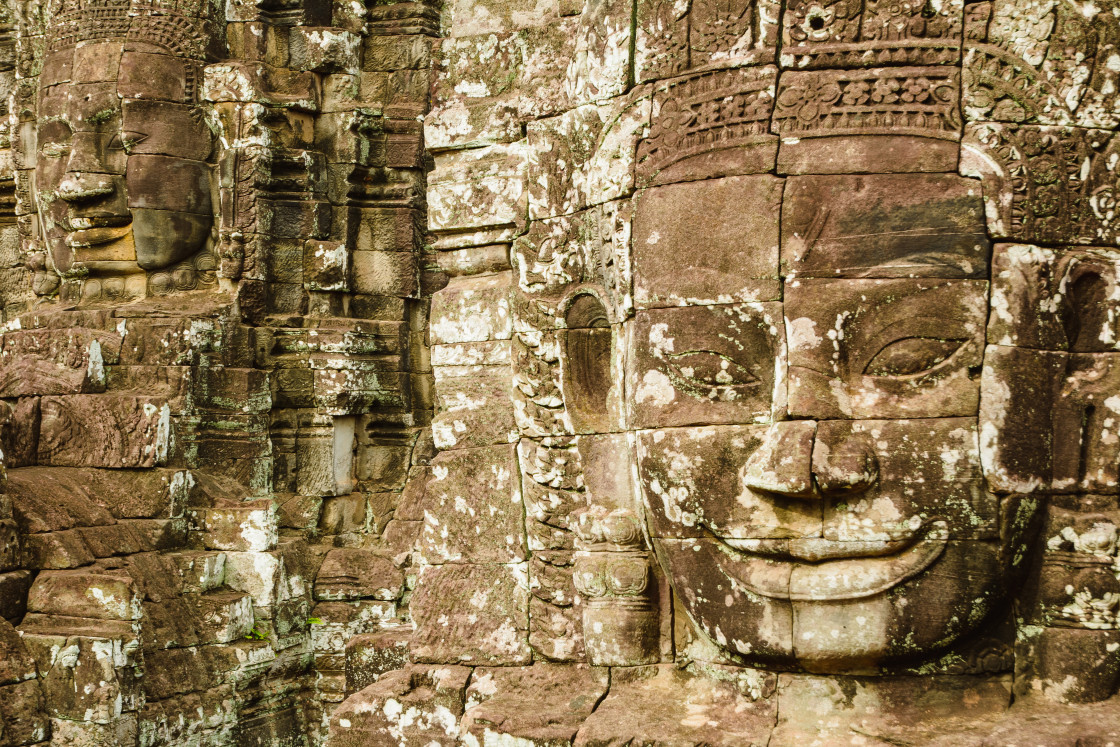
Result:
{"points": [[879, 32], [921, 102], [180, 26], [724, 111]]}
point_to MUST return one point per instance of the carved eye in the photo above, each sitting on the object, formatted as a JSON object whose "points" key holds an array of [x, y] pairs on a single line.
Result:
{"points": [[911, 355], [709, 369], [54, 150], [126, 140]]}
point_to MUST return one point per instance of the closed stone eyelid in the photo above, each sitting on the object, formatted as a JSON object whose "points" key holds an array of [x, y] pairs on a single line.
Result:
{"points": [[862, 345], [674, 359], [958, 344]]}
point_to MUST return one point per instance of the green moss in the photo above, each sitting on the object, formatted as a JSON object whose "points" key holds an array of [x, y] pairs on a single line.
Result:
{"points": [[101, 117]]}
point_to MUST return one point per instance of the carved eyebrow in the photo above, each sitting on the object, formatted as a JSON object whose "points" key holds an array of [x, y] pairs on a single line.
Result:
{"points": [[926, 231]]}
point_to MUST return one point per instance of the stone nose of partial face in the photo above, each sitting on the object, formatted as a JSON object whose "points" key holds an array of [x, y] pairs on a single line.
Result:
{"points": [[801, 460], [82, 186], [848, 464], [783, 463]]}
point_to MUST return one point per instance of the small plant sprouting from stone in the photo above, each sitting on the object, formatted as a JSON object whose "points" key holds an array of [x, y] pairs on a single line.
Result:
{"points": [[315, 621], [256, 634], [100, 117]]}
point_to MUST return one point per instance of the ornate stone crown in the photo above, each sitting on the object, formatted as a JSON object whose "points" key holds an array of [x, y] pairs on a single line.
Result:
{"points": [[181, 26], [847, 33]]}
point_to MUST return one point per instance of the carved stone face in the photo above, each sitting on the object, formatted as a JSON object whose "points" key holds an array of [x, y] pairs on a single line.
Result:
{"points": [[121, 179], [804, 379]]}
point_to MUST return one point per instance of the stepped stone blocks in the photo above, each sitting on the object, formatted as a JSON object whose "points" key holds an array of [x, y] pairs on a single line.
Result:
{"points": [[804, 337], [559, 373], [214, 366]]}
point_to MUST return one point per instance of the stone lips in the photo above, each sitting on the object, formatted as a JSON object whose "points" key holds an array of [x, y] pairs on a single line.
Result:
{"points": [[839, 571]]}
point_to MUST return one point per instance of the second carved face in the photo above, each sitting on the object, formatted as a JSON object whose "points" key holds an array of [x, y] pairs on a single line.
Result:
{"points": [[122, 182]]}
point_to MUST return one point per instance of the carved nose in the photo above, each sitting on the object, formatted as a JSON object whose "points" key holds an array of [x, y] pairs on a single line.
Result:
{"points": [[800, 460], [844, 464], [783, 463], [78, 186]]}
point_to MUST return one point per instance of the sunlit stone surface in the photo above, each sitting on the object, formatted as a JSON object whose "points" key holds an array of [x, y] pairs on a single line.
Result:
{"points": [[547, 373]]}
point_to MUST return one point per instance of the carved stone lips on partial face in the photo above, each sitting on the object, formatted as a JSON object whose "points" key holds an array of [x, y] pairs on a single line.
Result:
{"points": [[94, 230], [815, 569]]}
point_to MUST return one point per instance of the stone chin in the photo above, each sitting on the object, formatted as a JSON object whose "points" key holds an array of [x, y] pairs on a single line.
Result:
{"points": [[902, 607], [165, 237]]}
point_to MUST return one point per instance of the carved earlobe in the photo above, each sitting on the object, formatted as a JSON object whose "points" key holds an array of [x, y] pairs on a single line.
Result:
{"points": [[587, 369]]}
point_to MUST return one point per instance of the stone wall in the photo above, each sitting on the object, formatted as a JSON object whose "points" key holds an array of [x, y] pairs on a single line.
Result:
{"points": [[204, 457], [553, 373], [785, 192]]}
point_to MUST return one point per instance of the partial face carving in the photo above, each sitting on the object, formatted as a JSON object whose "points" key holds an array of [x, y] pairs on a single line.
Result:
{"points": [[121, 177], [810, 460]]}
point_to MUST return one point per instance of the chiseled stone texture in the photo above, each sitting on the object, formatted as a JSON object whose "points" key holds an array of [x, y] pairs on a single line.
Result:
{"points": [[214, 368], [660, 705], [543, 372], [415, 705], [543, 703], [472, 614], [472, 508]]}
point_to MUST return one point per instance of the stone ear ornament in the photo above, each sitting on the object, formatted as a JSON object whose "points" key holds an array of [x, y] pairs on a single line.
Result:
{"points": [[612, 573]]}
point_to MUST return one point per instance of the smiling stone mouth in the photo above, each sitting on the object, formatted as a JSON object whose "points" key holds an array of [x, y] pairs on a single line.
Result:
{"points": [[814, 569], [97, 230]]}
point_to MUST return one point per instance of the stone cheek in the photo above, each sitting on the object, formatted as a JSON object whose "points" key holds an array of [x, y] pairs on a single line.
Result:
{"points": [[1016, 440], [721, 599], [691, 479]]}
